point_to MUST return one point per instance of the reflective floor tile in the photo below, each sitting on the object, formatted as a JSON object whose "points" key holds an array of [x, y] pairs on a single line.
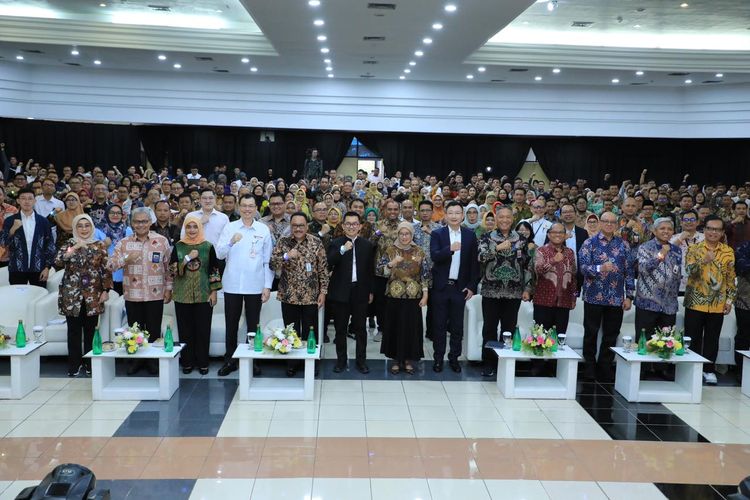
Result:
{"points": [[173, 467], [389, 386], [384, 398], [55, 384], [108, 410], [341, 467], [34, 428], [226, 489], [438, 429], [342, 412], [577, 415], [8, 425], [92, 428], [464, 388], [393, 447], [533, 430], [485, 429], [390, 428], [130, 447], [628, 491], [336, 489], [242, 412], [71, 397], [341, 447], [286, 466], [14, 488], [341, 398], [573, 490], [301, 428], [427, 399], [341, 386], [400, 489], [573, 430], [515, 490], [38, 396], [723, 434], [308, 411], [17, 411], [432, 413], [477, 413], [523, 415], [242, 428], [229, 467], [450, 489], [342, 428], [282, 489], [386, 412]]}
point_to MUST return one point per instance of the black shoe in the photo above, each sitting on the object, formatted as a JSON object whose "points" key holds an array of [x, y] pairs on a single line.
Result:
{"points": [[87, 370], [229, 367], [455, 366], [488, 372], [187, 370], [73, 373], [256, 369], [203, 371], [152, 366], [135, 366], [340, 367], [351, 336], [437, 366], [363, 368]]}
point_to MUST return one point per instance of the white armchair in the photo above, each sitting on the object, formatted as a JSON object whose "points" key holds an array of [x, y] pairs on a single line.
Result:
{"points": [[53, 280], [19, 302], [4, 277]]}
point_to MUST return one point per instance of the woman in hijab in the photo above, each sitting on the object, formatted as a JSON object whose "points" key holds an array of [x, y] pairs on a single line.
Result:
{"points": [[592, 225], [196, 281], [301, 199], [405, 266], [115, 229], [373, 197], [471, 217], [438, 210], [84, 289], [371, 216], [64, 218], [487, 226], [334, 218], [489, 202]]}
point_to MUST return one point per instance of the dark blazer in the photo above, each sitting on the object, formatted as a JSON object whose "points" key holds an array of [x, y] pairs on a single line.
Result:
{"points": [[339, 287], [440, 251], [42, 247]]}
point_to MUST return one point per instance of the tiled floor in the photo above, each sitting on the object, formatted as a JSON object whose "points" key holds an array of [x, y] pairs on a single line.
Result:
{"points": [[439, 436]]}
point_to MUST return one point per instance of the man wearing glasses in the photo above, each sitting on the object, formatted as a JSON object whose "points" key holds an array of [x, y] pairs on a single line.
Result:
{"points": [[710, 292], [686, 239], [539, 224]]}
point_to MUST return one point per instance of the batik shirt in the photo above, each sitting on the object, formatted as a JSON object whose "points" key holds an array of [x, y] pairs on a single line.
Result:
{"points": [[385, 235], [742, 265], [146, 279], [606, 289], [505, 274], [422, 240], [302, 278], [658, 280], [710, 286], [633, 236], [685, 246]]}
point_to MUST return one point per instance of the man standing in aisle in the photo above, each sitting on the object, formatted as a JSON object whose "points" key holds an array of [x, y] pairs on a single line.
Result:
{"points": [[455, 276], [246, 245], [608, 289]]}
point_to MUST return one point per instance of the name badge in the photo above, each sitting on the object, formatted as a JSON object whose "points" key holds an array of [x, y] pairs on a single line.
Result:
{"points": [[676, 269], [156, 257], [308, 267]]}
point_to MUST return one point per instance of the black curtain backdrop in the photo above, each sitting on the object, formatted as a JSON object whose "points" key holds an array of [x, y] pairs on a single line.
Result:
{"points": [[438, 154], [70, 143]]}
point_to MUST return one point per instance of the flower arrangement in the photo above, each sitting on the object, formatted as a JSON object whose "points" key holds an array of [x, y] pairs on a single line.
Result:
{"points": [[665, 341], [283, 340], [4, 339], [132, 339], [539, 341]]}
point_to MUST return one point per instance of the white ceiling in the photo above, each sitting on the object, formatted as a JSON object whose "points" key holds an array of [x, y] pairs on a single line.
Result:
{"points": [[278, 37]]}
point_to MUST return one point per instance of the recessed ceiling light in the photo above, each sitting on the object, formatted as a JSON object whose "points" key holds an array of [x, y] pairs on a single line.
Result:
{"points": [[322, 38], [688, 81], [407, 71], [437, 26], [481, 69], [20, 58], [325, 50], [450, 8], [330, 75], [639, 73], [327, 61], [684, 5], [719, 75], [162, 57], [637, 26], [29, 117], [418, 53], [102, 5], [615, 80], [245, 60], [556, 70], [412, 63], [177, 65], [329, 68], [538, 78], [402, 77], [426, 41], [254, 69], [319, 22], [74, 52], [97, 62], [314, 3], [551, 5], [469, 77]]}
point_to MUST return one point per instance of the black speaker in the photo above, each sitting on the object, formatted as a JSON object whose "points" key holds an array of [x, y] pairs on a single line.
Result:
{"points": [[66, 482]]}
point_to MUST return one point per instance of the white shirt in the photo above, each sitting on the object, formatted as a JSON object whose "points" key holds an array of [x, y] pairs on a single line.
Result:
{"points": [[217, 221], [354, 261], [455, 236], [570, 241], [247, 271], [374, 178], [45, 207], [29, 225], [540, 228]]}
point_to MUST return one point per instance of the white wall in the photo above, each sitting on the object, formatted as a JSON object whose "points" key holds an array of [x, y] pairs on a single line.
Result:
{"points": [[79, 94]]}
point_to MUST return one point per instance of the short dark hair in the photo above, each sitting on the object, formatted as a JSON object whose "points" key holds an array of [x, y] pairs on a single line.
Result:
{"points": [[298, 214], [229, 195], [207, 190], [687, 195], [647, 203], [248, 197], [356, 200], [352, 214], [425, 202], [453, 203], [25, 190], [519, 188], [713, 217], [275, 194], [734, 205], [689, 211], [185, 195], [162, 201]]}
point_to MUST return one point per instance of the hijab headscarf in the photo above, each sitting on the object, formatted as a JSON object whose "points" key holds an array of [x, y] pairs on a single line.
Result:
{"points": [[438, 213], [66, 219], [76, 237], [200, 238], [115, 231], [467, 224], [374, 210], [404, 225], [328, 217], [300, 197]]}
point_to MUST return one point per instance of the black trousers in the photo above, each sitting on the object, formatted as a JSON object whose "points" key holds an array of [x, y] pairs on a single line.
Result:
{"points": [[650, 321], [17, 278], [704, 330], [378, 301], [428, 317], [448, 316], [494, 311], [552, 316], [356, 310], [742, 339], [303, 317], [148, 315], [194, 323], [610, 319], [81, 325], [232, 311]]}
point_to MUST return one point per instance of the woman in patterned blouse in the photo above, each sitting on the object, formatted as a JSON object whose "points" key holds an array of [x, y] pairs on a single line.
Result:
{"points": [[83, 290], [555, 293], [405, 266]]}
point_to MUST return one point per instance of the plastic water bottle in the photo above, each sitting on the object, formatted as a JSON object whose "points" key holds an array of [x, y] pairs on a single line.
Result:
{"points": [[96, 344], [311, 344], [258, 340], [553, 334], [168, 339], [20, 334], [517, 339]]}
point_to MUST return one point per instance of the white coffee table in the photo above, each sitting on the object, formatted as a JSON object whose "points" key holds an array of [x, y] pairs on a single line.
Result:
{"points": [[24, 370], [106, 386], [281, 389], [562, 386], [686, 388], [745, 372]]}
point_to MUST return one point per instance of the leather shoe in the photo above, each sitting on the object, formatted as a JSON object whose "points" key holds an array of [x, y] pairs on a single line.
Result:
{"points": [[135, 366], [437, 367], [187, 370], [203, 371], [340, 367], [363, 368], [455, 366], [488, 372], [228, 368]]}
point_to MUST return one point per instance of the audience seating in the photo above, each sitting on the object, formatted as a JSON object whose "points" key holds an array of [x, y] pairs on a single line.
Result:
{"points": [[19, 302]]}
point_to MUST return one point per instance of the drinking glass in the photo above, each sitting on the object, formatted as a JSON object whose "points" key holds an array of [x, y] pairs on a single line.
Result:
{"points": [[561, 338], [686, 342], [38, 332], [627, 343], [506, 340]]}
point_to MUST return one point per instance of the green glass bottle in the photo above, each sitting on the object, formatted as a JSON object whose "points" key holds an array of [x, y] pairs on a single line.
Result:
{"points": [[681, 350], [96, 344], [553, 334], [311, 344], [517, 339], [642, 342], [258, 340], [168, 339], [20, 334]]}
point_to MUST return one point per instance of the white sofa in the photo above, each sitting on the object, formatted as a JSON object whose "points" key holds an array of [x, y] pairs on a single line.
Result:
{"points": [[270, 317], [19, 302], [473, 323]]}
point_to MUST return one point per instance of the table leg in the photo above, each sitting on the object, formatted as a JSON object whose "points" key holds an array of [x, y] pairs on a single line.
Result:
{"points": [[169, 377], [627, 378], [506, 377], [309, 379], [567, 372], [102, 373], [246, 378], [24, 374], [689, 376], [746, 376]]}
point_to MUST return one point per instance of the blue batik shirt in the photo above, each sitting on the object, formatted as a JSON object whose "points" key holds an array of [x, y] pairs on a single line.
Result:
{"points": [[606, 288], [658, 280]]}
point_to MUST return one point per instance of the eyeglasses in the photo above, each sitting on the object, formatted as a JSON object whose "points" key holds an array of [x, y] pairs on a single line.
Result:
{"points": [[689, 219], [275, 204], [299, 226], [714, 229], [351, 224], [609, 222], [115, 213], [141, 222], [555, 232]]}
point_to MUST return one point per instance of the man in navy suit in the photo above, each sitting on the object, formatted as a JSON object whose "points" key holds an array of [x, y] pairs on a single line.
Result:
{"points": [[455, 276], [27, 237]]}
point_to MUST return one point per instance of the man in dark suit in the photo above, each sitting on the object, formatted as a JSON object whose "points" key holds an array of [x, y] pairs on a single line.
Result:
{"points": [[455, 275], [351, 260], [27, 237]]}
